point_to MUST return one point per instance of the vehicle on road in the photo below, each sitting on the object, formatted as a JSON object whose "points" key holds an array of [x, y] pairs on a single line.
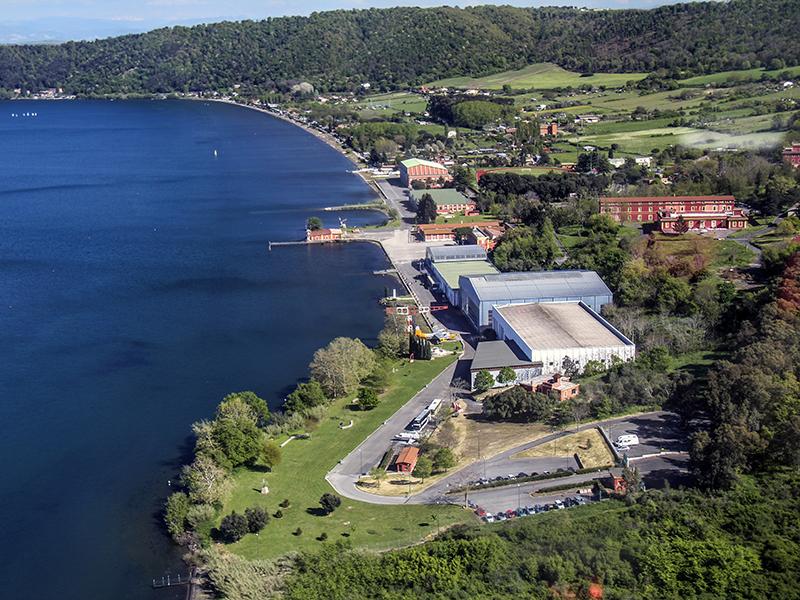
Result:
{"points": [[630, 439]]}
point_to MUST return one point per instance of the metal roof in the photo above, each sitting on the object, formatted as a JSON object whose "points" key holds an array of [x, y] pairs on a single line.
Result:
{"points": [[451, 253], [560, 325], [416, 162], [450, 271], [538, 284], [442, 196], [499, 354]]}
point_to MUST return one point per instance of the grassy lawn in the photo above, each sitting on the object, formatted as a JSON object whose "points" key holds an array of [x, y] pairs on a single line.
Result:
{"points": [[300, 478], [726, 76], [589, 445], [539, 76], [523, 170], [718, 253], [696, 363]]}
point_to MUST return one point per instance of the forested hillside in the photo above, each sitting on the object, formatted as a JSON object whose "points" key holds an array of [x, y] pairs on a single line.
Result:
{"points": [[399, 46]]}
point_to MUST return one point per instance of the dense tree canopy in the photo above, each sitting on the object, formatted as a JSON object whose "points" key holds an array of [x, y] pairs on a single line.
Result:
{"points": [[400, 46]]}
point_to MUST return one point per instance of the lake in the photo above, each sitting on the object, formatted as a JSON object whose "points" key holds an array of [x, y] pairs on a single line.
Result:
{"points": [[136, 290]]}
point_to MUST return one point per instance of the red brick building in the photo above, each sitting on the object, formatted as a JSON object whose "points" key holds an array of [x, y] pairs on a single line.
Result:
{"points": [[323, 235], [416, 169], [646, 209], [447, 231], [548, 129], [791, 155], [560, 387], [670, 222], [407, 459]]}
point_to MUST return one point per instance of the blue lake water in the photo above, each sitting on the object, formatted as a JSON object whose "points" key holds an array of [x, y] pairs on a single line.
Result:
{"points": [[135, 291]]}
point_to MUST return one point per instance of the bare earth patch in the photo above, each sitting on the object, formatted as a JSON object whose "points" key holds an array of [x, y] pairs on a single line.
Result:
{"points": [[589, 445]]}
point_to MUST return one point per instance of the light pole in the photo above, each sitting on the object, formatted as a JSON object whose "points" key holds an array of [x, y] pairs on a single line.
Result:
{"points": [[361, 457], [518, 499]]}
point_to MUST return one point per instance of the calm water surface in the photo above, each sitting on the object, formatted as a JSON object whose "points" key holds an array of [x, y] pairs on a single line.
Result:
{"points": [[135, 291]]}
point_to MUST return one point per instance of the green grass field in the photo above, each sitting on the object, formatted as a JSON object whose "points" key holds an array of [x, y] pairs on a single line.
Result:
{"points": [[541, 76], [736, 76], [300, 478], [466, 219], [386, 104]]}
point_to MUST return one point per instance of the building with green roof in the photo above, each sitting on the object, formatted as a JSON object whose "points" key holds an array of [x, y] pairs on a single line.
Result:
{"points": [[447, 200], [416, 169], [447, 275]]}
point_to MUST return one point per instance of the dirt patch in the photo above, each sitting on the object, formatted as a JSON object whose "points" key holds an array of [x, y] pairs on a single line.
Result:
{"points": [[589, 445]]}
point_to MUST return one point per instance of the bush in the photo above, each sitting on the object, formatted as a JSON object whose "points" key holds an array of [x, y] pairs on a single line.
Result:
{"points": [[278, 514], [483, 381], [175, 514], [284, 503], [297, 532], [367, 399], [257, 518], [233, 528], [329, 502]]}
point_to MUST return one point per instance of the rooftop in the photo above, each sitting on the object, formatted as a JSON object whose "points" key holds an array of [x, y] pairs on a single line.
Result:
{"points": [[442, 197], [450, 227], [450, 271], [408, 455], [417, 162], [539, 284], [499, 354], [452, 253], [553, 325], [665, 198]]}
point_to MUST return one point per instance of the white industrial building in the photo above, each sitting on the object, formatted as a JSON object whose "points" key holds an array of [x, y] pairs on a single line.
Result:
{"points": [[546, 333], [481, 295]]}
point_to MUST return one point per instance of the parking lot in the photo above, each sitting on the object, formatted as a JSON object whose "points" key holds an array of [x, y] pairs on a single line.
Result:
{"points": [[661, 455]]}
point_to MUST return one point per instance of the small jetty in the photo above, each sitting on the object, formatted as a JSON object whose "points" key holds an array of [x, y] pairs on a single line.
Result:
{"points": [[192, 581]]}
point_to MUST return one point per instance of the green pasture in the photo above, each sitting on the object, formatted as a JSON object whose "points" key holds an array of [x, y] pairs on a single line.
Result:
{"points": [[539, 76]]}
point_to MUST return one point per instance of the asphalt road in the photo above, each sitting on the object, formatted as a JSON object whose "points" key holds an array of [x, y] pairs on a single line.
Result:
{"points": [[368, 454], [398, 199], [659, 432]]}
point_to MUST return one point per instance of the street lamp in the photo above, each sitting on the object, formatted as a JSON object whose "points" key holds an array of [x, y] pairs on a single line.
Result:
{"points": [[361, 457], [518, 499]]}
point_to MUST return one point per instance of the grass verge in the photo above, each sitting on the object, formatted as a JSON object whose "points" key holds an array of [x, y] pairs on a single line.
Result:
{"points": [[300, 479]]}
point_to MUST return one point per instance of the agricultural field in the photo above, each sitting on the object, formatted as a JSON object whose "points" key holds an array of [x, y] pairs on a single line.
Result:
{"points": [[736, 76], [385, 105], [540, 76]]}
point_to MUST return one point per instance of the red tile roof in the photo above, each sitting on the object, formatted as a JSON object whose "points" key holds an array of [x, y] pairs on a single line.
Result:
{"points": [[666, 198]]}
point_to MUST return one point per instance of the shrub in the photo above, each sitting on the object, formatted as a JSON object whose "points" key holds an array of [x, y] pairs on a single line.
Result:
{"points": [[233, 528], [284, 503], [175, 514], [278, 514], [367, 398], [483, 381], [257, 518], [329, 502]]}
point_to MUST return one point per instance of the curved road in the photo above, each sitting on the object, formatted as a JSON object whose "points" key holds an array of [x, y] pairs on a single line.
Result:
{"points": [[657, 430]]}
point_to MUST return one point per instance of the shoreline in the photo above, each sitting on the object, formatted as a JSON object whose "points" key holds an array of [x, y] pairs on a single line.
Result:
{"points": [[323, 137]]}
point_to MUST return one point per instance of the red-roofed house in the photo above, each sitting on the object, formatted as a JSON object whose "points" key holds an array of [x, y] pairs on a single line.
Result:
{"points": [[791, 155], [559, 386], [407, 459], [323, 235]]}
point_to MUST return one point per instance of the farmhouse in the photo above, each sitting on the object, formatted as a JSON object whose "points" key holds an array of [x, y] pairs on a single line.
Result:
{"points": [[791, 155], [548, 332], [645, 209], [482, 295], [447, 201], [416, 169]]}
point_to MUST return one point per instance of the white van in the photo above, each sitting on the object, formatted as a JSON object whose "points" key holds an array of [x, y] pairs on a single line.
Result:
{"points": [[628, 440]]}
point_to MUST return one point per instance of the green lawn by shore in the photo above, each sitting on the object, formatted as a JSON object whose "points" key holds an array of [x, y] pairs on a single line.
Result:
{"points": [[300, 478]]}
